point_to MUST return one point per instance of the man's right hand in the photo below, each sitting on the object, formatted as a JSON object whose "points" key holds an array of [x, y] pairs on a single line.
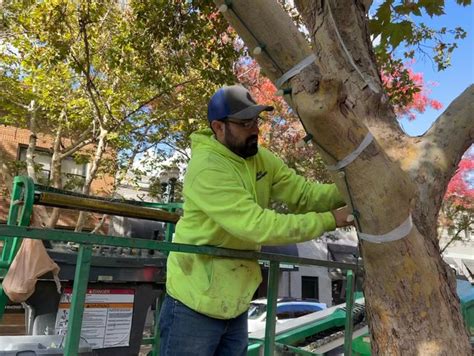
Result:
{"points": [[343, 216]]}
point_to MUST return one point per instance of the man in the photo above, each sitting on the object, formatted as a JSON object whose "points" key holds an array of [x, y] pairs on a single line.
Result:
{"points": [[227, 190]]}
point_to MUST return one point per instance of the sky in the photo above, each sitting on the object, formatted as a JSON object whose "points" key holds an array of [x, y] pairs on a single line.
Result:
{"points": [[454, 80]]}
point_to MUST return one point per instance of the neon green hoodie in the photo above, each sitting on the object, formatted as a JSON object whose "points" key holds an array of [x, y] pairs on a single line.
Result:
{"points": [[226, 201]]}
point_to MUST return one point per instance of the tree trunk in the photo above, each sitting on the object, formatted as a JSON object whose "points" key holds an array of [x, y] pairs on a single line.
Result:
{"points": [[6, 177], [40, 211], [91, 174], [30, 151], [56, 174], [410, 294]]}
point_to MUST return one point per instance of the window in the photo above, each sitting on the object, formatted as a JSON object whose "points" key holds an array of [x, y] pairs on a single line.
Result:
{"points": [[309, 287], [73, 174], [296, 309], [338, 292], [256, 310], [285, 312]]}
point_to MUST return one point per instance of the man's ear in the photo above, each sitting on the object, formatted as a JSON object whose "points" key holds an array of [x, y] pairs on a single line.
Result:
{"points": [[218, 128]]}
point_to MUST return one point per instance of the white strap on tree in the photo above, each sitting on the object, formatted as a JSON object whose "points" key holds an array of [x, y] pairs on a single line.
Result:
{"points": [[295, 70], [353, 155], [396, 234]]}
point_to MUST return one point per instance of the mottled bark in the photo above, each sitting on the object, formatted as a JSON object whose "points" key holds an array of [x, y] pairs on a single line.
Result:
{"points": [[411, 302], [55, 174], [6, 178], [92, 172], [435, 155], [30, 151]]}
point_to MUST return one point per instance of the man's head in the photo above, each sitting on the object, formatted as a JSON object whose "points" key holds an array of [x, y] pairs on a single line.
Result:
{"points": [[233, 116]]}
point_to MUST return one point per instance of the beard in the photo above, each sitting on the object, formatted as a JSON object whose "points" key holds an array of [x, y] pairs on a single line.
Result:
{"points": [[245, 149]]}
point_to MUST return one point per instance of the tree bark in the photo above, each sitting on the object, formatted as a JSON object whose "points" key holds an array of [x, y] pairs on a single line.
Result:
{"points": [[6, 177], [92, 172], [55, 174], [410, 294], [30, 151]]}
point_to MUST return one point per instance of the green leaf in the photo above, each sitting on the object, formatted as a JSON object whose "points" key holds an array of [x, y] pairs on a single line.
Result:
{"points": [[433, 7], [400, 32]]}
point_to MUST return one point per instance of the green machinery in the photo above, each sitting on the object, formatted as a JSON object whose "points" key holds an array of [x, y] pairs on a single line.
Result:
{"points": [[332, 326], [25, 195], [317, 333]]}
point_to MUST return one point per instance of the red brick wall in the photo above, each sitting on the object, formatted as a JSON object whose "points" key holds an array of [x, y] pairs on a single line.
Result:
{"points": [[10, 140]]}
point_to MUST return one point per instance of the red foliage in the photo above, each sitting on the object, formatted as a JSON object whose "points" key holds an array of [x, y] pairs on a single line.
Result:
{"points": [[461, 187], [419, 100]]}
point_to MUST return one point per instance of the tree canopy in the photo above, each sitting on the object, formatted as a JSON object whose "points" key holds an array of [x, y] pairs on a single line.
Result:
{"points": [[130, 75], [109, 80]]}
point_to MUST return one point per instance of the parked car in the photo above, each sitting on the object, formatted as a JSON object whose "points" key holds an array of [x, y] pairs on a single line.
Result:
{"points": [[287, 309]]}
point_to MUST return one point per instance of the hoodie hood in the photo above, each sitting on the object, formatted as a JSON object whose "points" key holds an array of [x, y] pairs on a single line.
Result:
{"points": [[204, 140]]}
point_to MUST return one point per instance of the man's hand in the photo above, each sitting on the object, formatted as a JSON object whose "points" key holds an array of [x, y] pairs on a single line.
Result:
{"points": [[343, 216]]}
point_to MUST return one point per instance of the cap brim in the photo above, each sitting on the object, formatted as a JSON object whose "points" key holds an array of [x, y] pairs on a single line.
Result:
{"points": [[250, 112]]}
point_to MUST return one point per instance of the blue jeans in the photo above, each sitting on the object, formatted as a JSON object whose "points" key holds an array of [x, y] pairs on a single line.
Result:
{"points": [[186, 332]]}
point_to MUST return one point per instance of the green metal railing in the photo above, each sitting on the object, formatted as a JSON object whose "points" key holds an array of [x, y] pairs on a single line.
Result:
{"points": [[25, 194], [21, 208], [350, 281]]}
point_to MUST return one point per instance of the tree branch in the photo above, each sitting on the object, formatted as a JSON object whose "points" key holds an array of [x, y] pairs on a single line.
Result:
{"points": [[153, 98], [55, 170], [88, 86], [99, 224], [94, 166], [21, 105], [85, 69], [83, 135], [454, 238], [431, 160], [343, 49], [452, 134], [174, 147], [5, 173], [30, 152], [453, 131], [71, 150], [258, 27]]}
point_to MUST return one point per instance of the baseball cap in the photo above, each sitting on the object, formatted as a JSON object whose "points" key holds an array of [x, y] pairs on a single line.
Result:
{"points": [[234, 102]]}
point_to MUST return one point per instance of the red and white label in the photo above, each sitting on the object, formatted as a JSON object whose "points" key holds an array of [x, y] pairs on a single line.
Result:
{"points": [[107, 319]]}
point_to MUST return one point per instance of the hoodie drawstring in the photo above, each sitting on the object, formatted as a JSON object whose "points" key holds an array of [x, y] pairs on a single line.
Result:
{"points": [[252, 180]]}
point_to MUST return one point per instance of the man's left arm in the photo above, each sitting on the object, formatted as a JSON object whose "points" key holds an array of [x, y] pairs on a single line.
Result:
{"points": [[300, 194]]}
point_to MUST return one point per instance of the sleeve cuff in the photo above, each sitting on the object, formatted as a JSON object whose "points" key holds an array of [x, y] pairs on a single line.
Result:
{"points": [[328, 221]]}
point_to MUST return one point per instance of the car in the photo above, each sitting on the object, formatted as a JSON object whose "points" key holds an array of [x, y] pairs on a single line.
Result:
{"points": [[287, 309]]}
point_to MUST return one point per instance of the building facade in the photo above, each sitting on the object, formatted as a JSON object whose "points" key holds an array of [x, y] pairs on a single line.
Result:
{"points": [[13, 144]]}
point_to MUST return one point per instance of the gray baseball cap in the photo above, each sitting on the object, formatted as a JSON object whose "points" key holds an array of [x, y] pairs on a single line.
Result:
{"points": [[234, 102]]}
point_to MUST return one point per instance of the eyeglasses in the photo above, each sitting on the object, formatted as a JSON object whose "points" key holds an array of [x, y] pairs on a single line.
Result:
{"points": [[246, 124]]}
